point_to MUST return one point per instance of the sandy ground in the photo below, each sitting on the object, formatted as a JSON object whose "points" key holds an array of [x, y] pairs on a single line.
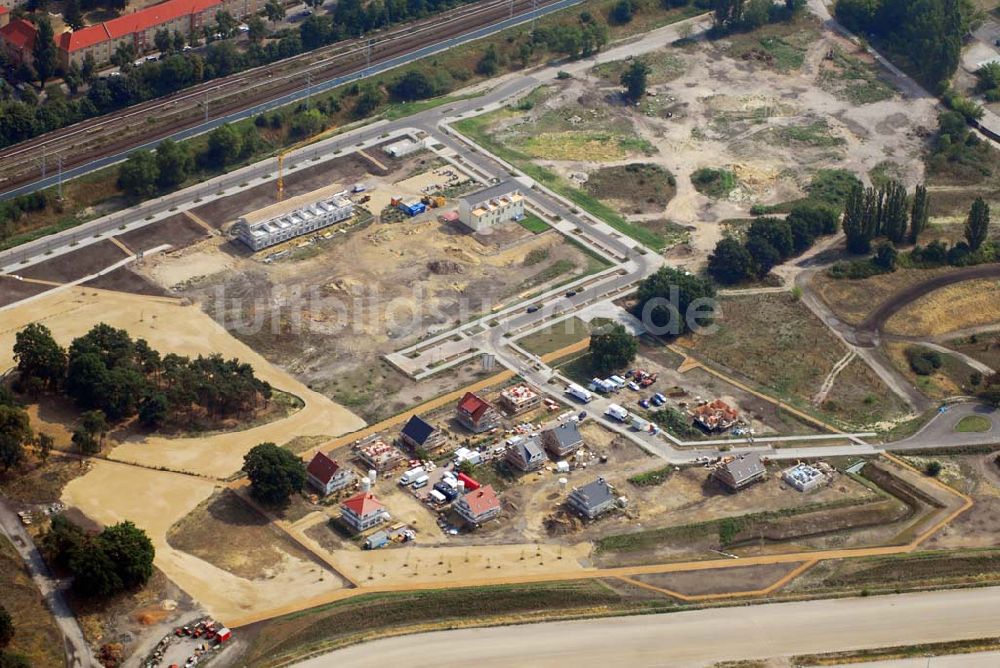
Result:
{"points": [[154, 500], [955, 307], [172, 327]]}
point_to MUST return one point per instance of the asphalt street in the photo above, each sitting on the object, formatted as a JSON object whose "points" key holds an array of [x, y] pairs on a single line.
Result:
{"points": [[694, 638], [77, 652]]}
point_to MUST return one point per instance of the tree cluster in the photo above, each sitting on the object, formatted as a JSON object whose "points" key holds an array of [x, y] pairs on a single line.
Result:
{"points": [[733, 15], [274, 473], [118, 559], [923, 361], [7, 630], [768, 242], [15, 431], [883, 212], [926, 34], [990, 390], [611, 348], [107, 371], [675, 301]]}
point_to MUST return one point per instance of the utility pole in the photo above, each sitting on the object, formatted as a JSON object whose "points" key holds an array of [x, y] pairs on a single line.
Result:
{"points": [[309, 85], [511, 9], [534, 15], [368, 55], [206, 106], [59, 163]]}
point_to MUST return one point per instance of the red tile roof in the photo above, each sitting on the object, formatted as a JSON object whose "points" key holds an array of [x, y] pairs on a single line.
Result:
{"points": [[129, 24], [3, 10], [323, 468], [482, 500], [363, 504], [19, 34], [473, 406]]}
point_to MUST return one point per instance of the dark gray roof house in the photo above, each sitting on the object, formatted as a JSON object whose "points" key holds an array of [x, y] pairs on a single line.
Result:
{"points": [[740, 471], [562, 440], [593, 499], [526, 454]]}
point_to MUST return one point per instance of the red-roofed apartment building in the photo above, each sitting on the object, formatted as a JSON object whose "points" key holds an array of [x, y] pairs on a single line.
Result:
{"points": [[18, 40], [363, 511], [476, 413], [479, 506], [326, 475], [138, 28]]}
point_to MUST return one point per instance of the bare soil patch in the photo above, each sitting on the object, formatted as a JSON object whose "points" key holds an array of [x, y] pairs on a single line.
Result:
{"points": [[719, 580], [226, 532], [124, 279], [76, 264], [969, 304], [984, 347], [13, 290], [178, 230]]}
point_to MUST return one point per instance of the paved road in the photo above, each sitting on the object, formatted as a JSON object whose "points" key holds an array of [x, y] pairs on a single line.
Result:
{"points": [[694, 638], [978, 660], [940, 431], [77, 652]]}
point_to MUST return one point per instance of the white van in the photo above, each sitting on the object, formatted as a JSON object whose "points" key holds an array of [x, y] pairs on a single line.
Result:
{"points": [[411, 475], [421, 482]]}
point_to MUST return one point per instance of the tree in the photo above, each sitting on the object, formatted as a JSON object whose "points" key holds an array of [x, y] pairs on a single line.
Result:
{"points": [[990, 392], [153, 410], [765, 255], [130, 550], [859, 220], [776, 232], [138, 175], [225, 23], [919, 213], [256, 29], [162, 41], [94, 573], [489, 63], [72, 15], [369, 99], [224, 145], [672, 302], [634, 80], [6, 628], [307, 123], [15, 432], [886, 256], [977, 225], [84, 442], [38, 355], [44, 443], [124, 56], [611, 348], [44, 51], [933, 468], [622, 12], [274, 10], [414, 85], [730, 262], [88, 68], [274, 473], [894, 218], [174, 163], [95, 423], [178, 41]]}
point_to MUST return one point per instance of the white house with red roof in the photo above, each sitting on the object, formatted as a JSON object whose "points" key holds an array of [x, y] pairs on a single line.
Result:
{"points": [[18, 41], [363, 511], [326, 475], [476, 413], [479, 506]]}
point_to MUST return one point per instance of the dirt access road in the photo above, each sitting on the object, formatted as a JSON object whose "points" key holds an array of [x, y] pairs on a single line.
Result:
{"points": [[695, 638], [869, 331]]}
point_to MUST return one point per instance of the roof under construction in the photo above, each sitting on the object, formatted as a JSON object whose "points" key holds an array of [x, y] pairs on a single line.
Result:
{"points": [[291, 205]]}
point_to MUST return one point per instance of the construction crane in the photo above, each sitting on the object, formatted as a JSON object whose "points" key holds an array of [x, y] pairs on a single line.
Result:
{"points": [[294, 147]]}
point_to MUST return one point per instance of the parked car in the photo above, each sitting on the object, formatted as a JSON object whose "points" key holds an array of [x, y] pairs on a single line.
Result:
{"points": [[634, 386], [532, 309], [644, 403], [571, 293], [655, 400]]}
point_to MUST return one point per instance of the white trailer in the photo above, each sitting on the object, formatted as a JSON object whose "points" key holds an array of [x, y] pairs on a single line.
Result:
{"points": [[617, 412], [578, 392], [639, 424]]}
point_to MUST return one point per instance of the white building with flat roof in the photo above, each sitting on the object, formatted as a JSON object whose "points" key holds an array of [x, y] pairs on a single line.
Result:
{"points": [[294, 217], [485, 209]]}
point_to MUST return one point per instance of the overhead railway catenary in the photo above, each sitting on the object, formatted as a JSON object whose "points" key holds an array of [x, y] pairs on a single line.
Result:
{"points": [[31, 164]]}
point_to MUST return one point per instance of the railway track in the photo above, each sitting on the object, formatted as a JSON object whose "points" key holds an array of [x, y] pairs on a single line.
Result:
{"points": [[155, 119]]}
